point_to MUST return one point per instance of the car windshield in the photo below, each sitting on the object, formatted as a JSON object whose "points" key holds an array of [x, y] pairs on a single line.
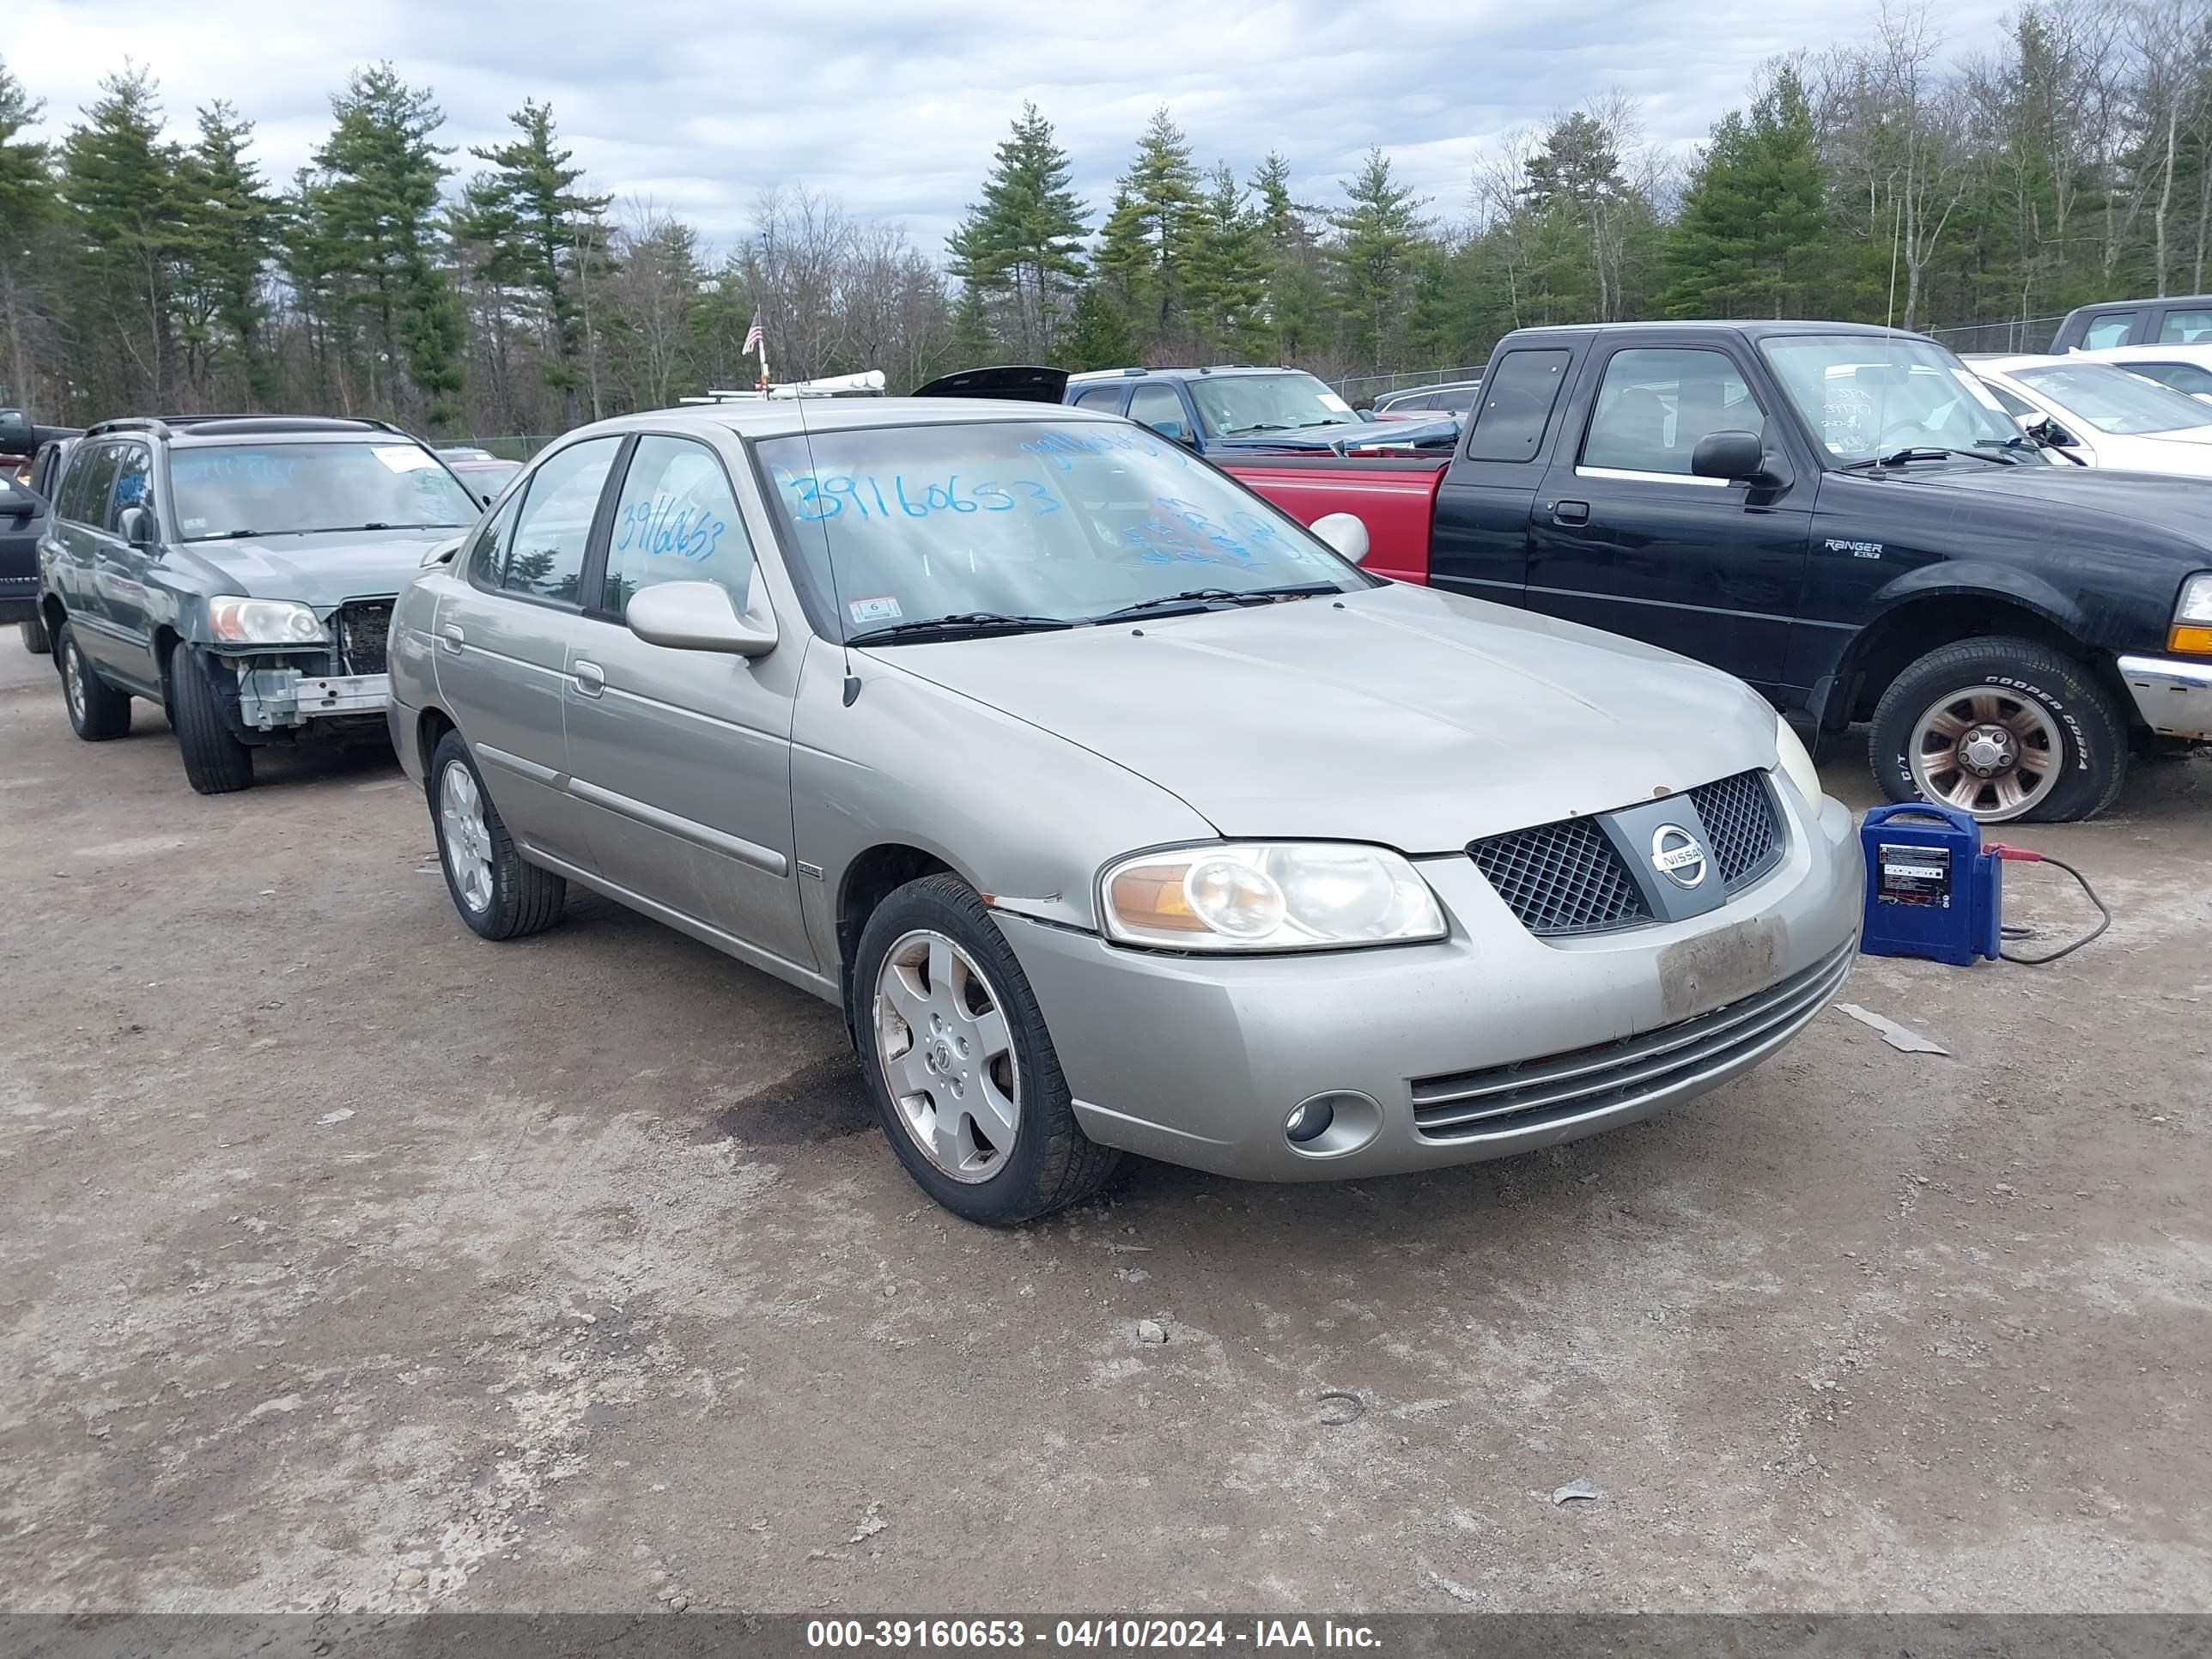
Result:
{"points": [[224, 490], [1233, 404], [1045, 520], [1865, 396], [2112, 400]]}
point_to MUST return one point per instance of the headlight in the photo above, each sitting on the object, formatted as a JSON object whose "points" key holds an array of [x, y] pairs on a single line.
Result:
{"points": [[2192, 617], [263, 622], [1268, 896], [1796, 763]]}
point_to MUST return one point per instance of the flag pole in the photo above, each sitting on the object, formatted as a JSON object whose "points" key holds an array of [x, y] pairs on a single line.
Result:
{"points": [[763, 362]]}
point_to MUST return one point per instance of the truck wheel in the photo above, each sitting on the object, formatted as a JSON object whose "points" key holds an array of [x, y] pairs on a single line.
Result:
{"points": [[97, 711], [215, 763], [959, 1063], [2004, 728], [500, 894], [35, 636]]}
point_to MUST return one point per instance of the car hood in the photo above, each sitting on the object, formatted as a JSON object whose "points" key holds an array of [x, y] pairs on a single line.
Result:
{"points": [[1437, 431], [319, 570], [1402, 715], [2182, 505]]}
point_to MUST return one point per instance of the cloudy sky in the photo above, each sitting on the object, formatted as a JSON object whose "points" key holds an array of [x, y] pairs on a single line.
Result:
{"points": [[895, 106]]}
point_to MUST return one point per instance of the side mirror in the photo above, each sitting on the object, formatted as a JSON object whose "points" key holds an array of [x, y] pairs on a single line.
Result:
{"points": [[442, 553], [485, 498], [135, 525], [1345, 532], [696, 617], [1738, 457], [1172, 431], [2048, 432]]}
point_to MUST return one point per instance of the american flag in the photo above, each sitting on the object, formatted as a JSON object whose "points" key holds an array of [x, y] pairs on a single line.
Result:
{"points": [[753, 336]]}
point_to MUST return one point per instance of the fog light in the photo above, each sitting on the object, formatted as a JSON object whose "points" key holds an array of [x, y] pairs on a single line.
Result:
{"points": [[1310, 1119]]}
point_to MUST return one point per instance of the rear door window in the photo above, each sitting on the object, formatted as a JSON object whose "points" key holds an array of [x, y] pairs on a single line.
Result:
{"points": [[1517, 398], [91, 481], [545, 560], [2184, 327], [2110, 328]]}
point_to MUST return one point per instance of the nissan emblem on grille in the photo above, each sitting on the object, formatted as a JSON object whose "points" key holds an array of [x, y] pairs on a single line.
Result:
{"points": [[1676, 856]]}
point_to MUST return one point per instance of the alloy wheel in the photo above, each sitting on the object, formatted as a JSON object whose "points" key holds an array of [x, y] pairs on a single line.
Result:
{"points": [[1988, 751], [947, 1053], [466, 836]]}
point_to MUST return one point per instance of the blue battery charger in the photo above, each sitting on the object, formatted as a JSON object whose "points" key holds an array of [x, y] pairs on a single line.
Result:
{"points": [[1932, 889]]}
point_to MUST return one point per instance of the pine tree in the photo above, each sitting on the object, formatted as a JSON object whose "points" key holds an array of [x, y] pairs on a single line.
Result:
{"points": [[1378, 232], [231, 220], [1228, 276], [1752, 238], [1020, 249], [544, 237], [1145, 250], [1296, 297], [1101, 337], [26, 200], [379, 212]]}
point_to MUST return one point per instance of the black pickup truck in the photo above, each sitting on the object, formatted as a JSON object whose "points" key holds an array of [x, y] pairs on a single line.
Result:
{"points": [[1841, 515]]}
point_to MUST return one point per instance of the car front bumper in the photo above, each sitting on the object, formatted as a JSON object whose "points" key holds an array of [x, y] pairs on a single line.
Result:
{"points": [[273, 699], [2174, 696], [1200, 1060]]}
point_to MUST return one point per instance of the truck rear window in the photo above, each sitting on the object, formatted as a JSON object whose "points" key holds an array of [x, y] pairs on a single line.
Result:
{"points": [[1517, 396]]}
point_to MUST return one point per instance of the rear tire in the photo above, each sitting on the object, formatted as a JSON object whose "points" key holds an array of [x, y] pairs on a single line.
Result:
{"points": [[35, 636], [500, 894], [97, 711], [990, 1045], [215, 761], [2013, 697]]}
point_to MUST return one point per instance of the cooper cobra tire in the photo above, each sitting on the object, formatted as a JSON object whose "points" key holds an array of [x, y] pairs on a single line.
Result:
{"points": [[500, 894], [2054, 743], [215, 761], [959, 1062]]}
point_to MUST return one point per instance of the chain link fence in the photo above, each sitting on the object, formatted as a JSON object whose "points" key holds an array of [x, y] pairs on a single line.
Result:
{"points": [[2019, 334], [1359, 390]]}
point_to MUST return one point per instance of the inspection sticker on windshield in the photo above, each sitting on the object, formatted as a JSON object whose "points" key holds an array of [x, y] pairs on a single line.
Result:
{"points": [[403, 457], [885, 609]]}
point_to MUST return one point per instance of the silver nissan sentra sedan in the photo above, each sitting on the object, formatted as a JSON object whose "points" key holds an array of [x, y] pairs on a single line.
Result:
{"points": [[1117, 811]]}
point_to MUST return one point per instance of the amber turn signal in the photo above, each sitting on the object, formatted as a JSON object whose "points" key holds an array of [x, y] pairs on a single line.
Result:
{"points": [[2196, 641]]}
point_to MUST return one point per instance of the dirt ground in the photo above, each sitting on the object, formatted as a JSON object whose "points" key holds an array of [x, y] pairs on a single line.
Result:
{"points": [[351, 1263]]}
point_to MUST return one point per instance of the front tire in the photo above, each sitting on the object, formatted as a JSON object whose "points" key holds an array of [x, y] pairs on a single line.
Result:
{"points": [[500, 894], [97, 711], [215, 761], [2007, 729], [35, 636], [959, 1062]]}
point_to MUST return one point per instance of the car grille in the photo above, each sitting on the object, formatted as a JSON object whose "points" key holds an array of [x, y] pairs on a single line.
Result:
{"points": [[1561, 879], [1740, 828], [1614, 1076], [362, 627], [1565, 879]]}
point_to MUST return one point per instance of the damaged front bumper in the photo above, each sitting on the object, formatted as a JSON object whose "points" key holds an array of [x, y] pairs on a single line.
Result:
{"points": [[279, 699]]}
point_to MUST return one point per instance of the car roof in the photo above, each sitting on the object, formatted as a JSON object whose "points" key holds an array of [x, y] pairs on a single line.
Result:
{"points": [[195, 429], [1998, 362], [1094, 376], [784, 417], [2173, 351], [1749, 328]]}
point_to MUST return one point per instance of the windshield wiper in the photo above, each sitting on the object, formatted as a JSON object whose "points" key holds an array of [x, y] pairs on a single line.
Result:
{"points": [[964, 622], [1257, 426], [1918, 452], [1198, 599]]}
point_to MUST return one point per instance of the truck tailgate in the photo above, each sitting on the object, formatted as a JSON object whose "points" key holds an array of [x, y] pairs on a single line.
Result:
{"points": [[1396, 499]]}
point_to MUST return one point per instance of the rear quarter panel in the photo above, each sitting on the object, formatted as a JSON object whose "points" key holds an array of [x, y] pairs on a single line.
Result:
{"points": [[1396, 501]]}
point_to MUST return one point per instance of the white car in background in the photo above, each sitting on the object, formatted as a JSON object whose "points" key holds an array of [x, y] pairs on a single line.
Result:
{"points": [[2185, 367], [2100, 414]]}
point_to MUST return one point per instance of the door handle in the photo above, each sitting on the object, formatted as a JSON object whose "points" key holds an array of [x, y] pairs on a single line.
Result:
{"points": [[453, 636], [591, 678], [1570, 513]]}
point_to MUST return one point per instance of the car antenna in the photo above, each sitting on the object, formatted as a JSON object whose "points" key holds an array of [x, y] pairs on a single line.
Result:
{"points": [[852, 692]]}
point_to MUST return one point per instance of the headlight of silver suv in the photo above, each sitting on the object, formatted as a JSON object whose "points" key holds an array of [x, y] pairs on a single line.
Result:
{"points": [[263, 622], [1796, 763], [1268, 896]]}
